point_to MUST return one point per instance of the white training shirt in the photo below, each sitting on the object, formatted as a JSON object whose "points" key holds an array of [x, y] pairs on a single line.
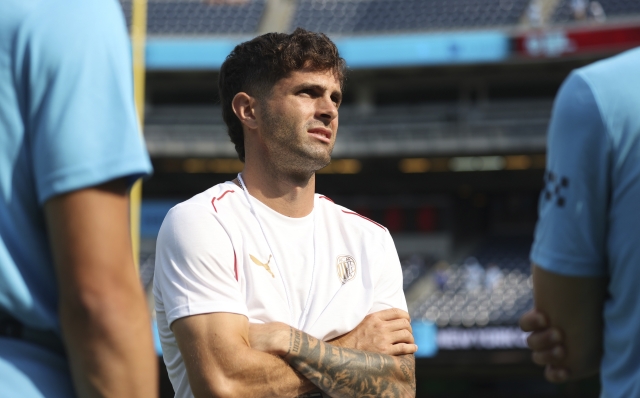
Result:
{"points": [[327, 271]]}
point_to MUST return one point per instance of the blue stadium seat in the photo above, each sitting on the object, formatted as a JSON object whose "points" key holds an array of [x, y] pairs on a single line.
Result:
{"points": [[612, 8], [413, 268], [198, 17], [491, 289], [370, 16]]}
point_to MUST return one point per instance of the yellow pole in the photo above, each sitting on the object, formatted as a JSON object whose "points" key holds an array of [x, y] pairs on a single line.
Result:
{"points": [[138, 38]]}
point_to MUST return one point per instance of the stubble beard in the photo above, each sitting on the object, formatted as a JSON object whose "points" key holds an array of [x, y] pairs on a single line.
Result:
{"points": [[290, 150]]}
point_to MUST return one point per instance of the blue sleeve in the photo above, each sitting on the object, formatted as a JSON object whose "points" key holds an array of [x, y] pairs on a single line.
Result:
{"points": [[570, 237], [82, 124]]}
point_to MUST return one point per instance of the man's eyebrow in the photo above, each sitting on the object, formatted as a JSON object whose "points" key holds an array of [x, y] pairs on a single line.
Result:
{"points": [[319, 88], [310, 86]]}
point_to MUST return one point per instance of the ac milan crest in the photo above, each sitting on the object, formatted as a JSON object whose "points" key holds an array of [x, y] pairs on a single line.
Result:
{"points": [[346, 268]]}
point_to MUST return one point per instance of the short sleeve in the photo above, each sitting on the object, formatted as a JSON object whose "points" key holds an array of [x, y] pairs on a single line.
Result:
{"points": [[388, 288], [570, 236], [80, 116], [195, 265]]}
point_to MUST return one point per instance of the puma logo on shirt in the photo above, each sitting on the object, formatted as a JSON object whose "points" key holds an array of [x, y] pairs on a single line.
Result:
{"points": [[265, 265]]}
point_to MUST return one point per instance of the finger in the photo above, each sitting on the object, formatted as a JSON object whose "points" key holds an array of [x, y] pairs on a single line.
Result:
{"points": [[401, 336], [402, 349], [392, 313], [544, 340], [533, 320], [549, 357], [398, 324], [556, 374]]}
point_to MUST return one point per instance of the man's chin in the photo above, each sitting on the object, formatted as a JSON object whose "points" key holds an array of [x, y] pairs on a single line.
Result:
{"points": [[307, 159], [322, 162], [319, 157]]}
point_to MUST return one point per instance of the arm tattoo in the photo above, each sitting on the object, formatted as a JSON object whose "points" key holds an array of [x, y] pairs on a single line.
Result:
{"points": [[344, 372]]}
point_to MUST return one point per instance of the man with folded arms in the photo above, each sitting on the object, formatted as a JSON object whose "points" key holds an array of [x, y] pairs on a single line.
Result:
{"points": [[263, 287]]}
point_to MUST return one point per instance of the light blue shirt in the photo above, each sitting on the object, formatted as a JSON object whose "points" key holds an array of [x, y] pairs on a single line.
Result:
{"points": [[67, 121], [590, 207]]}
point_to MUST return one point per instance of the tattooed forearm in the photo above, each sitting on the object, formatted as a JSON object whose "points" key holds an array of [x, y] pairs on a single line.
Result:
{"points": [[408, 368], [344, 372]]}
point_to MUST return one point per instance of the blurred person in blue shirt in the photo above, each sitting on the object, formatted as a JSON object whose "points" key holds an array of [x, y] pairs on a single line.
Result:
{"points": [[73, 317], [586, 252]]}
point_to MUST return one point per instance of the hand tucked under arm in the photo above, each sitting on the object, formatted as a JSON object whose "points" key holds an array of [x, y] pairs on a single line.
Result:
{"points": [[547, 345], [385, 332], [337, 371], [573, 305]]}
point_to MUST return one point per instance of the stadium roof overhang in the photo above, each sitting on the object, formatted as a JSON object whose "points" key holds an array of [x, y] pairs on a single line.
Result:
{"points": [[419, 49], [359, 52]]}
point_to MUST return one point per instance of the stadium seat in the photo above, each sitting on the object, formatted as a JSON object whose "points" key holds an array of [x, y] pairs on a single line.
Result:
{"points": [[493, 288], [612, 8], [370, 16], [195, 17]]}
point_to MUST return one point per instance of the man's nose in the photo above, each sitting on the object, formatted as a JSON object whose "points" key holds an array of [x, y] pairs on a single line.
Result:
{"points": [[327, 109]]}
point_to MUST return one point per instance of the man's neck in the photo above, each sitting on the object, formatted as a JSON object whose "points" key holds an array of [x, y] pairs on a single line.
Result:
{"points": [[285, 194]]}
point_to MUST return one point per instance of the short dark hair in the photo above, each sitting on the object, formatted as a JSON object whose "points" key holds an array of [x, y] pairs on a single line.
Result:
{"points": [[256, 65]]}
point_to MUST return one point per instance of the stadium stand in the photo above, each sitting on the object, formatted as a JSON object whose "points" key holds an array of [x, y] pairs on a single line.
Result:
{"points": [[392, 130], [516, 119], [413, 268], [369, 16], [196, 17], [346, 17], [492, 289], [566, 9]]}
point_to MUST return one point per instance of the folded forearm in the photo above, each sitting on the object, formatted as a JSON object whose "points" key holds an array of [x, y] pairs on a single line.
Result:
{"points": [[269, 376], [250, 373], [343, 372]]}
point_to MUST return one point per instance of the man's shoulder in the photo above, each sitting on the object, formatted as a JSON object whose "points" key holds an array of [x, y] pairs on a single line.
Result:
{"points": [[614, 81], [41, 19], [210, 201], [14, 14], [189, 224], [350, 218], [625, 63]]}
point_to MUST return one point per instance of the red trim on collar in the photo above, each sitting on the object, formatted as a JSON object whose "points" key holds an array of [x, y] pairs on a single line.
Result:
{"points": [[221, 196]]}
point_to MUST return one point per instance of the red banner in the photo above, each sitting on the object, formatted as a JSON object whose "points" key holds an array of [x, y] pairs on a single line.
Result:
{"points": [[565, 42]]}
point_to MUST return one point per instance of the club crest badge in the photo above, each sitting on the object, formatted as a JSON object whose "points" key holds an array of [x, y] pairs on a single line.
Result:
{"points": [[346, 268]]}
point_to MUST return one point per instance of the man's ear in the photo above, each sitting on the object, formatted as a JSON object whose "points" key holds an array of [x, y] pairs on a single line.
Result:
{"points": [[244, 107]]}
